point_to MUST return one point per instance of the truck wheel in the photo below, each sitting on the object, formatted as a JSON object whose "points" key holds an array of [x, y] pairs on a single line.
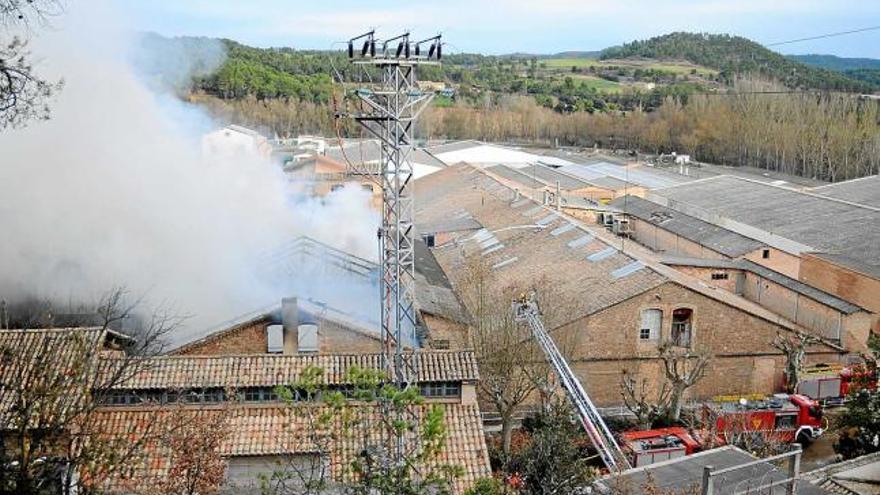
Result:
{"points": [[804, 439]]}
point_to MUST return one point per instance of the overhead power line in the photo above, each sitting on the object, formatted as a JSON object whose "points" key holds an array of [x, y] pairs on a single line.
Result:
{"points": [[823, 36]]}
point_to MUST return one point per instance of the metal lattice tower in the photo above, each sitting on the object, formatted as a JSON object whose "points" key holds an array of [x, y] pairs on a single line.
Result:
{"points": [[388, 110]]}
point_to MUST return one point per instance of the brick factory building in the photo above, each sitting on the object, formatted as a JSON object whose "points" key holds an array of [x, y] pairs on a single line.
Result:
{"points": [[625, 304]]}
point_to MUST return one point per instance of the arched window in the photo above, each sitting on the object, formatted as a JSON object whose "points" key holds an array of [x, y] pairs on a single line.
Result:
{"points": [[682, 325], [651, 322]]}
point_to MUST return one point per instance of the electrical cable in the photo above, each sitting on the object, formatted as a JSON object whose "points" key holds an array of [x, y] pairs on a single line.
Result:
{"points": [[823, 36]]}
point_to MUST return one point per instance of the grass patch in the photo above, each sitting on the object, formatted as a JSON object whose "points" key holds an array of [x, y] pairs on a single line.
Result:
{"points": [[568, 63]]}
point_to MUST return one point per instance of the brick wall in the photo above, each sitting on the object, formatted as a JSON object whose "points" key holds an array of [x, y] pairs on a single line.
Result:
{"points": [[251, 339], [446, 334], [602, 345], [246, 339], [847, 284]]}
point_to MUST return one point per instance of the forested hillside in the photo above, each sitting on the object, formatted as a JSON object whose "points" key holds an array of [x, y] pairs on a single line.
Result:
{"points": [[734, 55], [642, 104], [862, 69]]}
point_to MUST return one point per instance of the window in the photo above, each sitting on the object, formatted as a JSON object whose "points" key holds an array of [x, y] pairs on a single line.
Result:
{"points": [[786, 421], [719, 276], [651, 321], [275, 339], [307, 338], [244, 474], [681, 327], [441, 389], [766, 254], [429, 240]]}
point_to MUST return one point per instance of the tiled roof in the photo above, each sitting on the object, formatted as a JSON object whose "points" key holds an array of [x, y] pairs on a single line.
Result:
{"points": [[52, 358], [264, 431], [267, 370], [522, 252]]}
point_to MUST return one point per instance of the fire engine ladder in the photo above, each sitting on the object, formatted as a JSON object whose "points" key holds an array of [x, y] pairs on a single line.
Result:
{"points": [[526, 309]]}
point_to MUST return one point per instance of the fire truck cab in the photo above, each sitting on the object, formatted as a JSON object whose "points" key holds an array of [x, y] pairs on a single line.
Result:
{"points": [[789, 418], [650, 446]]}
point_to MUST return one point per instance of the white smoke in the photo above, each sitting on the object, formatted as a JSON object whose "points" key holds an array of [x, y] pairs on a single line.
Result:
{"points": [[113, 191]]}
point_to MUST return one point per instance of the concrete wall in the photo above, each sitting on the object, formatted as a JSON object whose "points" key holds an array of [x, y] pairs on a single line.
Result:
{"points": [[777, 260], [661, 240], [604, 344], [848, 284]]}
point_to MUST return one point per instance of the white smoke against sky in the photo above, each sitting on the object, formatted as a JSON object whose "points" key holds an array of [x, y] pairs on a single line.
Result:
{"points": [[113, 191]]}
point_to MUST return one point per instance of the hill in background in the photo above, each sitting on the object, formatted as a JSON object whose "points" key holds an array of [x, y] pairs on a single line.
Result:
{"points": [[863, 69], [735, 55]]}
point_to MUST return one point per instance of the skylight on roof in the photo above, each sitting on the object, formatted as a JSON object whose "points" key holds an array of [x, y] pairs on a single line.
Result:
{"points": [[546, 220], [492, 249], [580, 241], [504, 263], [561, 230], [627, 269], [601, 255]]}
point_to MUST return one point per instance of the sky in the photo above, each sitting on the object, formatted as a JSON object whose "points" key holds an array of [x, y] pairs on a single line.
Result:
{"points": [[496, 27]]}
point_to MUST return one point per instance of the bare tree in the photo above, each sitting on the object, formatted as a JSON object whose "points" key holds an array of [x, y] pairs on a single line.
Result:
{"points": [[512, 366], [54, 383], [794, 348], [683, 367], [23, 95], [193, 439], [638, 399]]}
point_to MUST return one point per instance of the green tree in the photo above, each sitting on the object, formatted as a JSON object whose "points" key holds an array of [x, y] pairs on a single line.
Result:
{"points": [[859, 425], [365, 414]]}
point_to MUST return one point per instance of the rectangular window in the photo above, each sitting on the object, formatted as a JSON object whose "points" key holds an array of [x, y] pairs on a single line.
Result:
{"points": [[719, 276], [765, 254], [275, 339], [651, 321], [681, 327], [429, 240]]}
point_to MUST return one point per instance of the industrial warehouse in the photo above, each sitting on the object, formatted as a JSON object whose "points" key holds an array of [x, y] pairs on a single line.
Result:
{"points": [[394, 267]]}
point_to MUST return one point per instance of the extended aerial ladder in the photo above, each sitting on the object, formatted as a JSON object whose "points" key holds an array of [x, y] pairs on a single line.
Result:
{"points": [[526, 309]]}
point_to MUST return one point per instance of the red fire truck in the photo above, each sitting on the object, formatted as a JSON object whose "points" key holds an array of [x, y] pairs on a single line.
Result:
{"points": [[788, 418], [782, 417], [650, 446], [831, 383]]}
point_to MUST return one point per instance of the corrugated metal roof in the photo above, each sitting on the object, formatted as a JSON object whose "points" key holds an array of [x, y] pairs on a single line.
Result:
{"points": [[643, 176], [716, 238], [865, 190], [825, 225]]}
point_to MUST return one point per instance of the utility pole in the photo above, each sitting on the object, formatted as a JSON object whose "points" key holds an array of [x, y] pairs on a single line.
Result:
{"points": [[388, 110]]}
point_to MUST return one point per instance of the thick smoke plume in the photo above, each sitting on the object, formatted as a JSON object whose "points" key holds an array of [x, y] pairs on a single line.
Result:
{"points": [[113, 190]]}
